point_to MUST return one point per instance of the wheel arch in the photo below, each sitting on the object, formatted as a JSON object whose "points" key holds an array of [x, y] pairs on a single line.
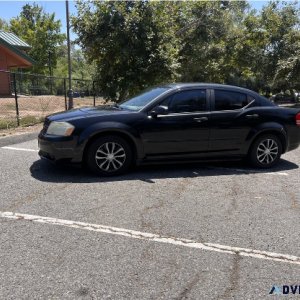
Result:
{"points": [[278, 132], [112, 132]]}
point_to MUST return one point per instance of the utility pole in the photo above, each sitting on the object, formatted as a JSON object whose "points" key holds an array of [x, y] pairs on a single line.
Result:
{"points": [[70, 91], [50, 71]]}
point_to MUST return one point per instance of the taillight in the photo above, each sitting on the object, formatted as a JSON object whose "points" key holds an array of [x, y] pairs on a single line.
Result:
{"points": [[298, 119]]}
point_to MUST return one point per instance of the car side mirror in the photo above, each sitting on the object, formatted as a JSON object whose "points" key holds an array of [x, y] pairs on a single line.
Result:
{"points": [[158, 110]]}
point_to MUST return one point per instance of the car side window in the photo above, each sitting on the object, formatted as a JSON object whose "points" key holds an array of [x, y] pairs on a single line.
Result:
{"points": [[186, 101], [228, 100]]}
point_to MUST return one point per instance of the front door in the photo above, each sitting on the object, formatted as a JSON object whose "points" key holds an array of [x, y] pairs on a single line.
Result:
{"points": [[184, 130]]}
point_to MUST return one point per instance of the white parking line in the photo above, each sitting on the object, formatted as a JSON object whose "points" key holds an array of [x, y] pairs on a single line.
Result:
{"points": [[19, 149], [276, 173], [253, 171], [156, 238]]}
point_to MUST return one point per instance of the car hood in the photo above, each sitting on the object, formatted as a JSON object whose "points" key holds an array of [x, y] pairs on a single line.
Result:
{"points": [[85, 112]]}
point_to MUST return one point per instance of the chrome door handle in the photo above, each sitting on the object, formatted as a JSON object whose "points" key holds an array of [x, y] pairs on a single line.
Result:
{"points": [[201, 119], [254, 116]]}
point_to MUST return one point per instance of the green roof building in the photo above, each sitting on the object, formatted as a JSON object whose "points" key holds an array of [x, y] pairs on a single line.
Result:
{"points": [[12, 55]]}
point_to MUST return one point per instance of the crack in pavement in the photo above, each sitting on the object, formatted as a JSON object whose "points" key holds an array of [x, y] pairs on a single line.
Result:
{"points": [[180, 188], [188, 288], [234, 193], [233, 278]]}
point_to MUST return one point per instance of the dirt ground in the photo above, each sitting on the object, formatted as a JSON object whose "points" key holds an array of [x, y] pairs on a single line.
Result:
{"points": [[33, 109], [40, 106]]}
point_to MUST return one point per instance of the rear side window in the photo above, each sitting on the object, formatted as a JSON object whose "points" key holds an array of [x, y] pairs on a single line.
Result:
{"points": [[186, 101], [227, 100]]}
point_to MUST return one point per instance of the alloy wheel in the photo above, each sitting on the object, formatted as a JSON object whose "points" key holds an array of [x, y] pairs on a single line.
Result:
{"points": [[267, 151], [110, 156]]}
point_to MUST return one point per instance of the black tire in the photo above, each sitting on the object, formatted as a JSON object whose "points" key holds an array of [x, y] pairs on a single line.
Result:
{"points": [[106, 164], [260, 156]]}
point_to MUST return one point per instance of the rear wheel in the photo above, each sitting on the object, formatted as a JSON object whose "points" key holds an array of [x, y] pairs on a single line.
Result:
{"points": [[265, 151], [109, 155]]}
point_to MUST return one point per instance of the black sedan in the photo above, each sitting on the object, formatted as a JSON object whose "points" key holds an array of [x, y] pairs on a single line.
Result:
{"points": [[173, 122]]}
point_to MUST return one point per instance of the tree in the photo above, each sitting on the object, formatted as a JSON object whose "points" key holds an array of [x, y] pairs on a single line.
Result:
{"points": [[138, 44], [283, 58], [3, 24], [287, 73], [236, 45], [42, 32], [83, 72], [281, 26], [208, 40], [81, 69], [131, 42]]}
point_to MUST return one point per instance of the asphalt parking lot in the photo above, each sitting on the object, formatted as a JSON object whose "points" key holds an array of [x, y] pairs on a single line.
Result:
{"points": [[197, 231]]}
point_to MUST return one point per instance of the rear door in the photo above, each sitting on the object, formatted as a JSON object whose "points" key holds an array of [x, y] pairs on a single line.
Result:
{"points": [[231, 121]]}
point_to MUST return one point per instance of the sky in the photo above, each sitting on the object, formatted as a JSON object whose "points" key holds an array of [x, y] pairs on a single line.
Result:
{"points": [[10, 9]]}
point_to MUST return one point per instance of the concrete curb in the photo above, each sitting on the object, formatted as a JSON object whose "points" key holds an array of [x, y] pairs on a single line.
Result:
{"points": [[20, 138]]}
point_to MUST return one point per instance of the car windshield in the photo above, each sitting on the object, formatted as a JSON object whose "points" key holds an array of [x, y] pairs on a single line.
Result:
{"points": [[138, 102]]}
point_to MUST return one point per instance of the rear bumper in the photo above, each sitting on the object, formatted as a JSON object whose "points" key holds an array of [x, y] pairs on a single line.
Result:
{"points": [[56, 148]]}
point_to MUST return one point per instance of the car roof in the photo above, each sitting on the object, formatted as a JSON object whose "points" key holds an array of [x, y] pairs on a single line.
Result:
{"points": [[206, 85]]}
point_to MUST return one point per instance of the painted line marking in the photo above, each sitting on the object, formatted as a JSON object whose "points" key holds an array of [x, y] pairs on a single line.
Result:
{"points": [[250, 171], [19, 149], [156, 238], [276, 173]]}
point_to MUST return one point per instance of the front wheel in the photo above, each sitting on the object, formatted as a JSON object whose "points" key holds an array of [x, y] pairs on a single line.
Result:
{"points": [[265, 151], [109, 155]]}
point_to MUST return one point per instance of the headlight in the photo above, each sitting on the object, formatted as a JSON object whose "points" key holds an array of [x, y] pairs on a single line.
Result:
{"points": [[60, 128]]}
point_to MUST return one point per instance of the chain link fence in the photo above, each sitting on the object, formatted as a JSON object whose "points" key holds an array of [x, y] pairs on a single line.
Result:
{"points": [[25, 99]]}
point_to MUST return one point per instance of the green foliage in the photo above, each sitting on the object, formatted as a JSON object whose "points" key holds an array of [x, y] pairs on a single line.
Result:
{"points": [[81, 68], [209, 39], [29, 120], [282, 35], [42, 32], [83, 72], [24, 122], [238, 46], [3, 24], [6, 124], [138, 44], [132, 43]]}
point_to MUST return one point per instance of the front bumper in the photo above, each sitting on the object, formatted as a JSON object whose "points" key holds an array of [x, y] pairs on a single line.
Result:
{"points": [[56, 148]]}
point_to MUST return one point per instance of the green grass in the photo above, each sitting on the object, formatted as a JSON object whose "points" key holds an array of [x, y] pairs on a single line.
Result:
{"points": [[24, 122], [10, 107], [29, 120], [6, 124]]}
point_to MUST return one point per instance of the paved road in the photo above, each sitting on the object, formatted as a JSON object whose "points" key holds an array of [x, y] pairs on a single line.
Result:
{"points": [[224, 204]]}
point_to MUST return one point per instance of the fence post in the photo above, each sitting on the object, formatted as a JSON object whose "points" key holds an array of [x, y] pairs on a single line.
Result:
{"points": [[65, 91], [94, 93], [16, 99]]}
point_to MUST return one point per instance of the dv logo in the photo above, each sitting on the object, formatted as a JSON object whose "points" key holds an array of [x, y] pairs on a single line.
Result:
{"points": [[285, 290]]}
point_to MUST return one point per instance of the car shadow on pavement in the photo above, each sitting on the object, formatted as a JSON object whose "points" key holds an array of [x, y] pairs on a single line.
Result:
{"points": [[47, 172]]}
